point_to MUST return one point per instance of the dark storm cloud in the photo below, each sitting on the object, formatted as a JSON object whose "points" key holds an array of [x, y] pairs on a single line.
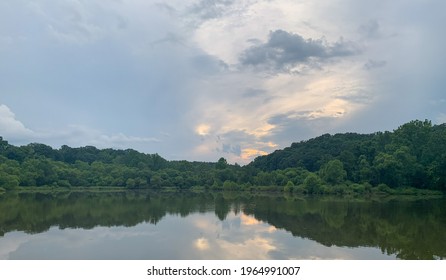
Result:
{"points": [[285, 50]]}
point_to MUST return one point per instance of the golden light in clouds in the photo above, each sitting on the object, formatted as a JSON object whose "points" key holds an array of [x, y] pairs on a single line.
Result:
{"points": [[249, 153], [253, 127], [336, 108], [271, 144], [203, 129], [262, 130]]}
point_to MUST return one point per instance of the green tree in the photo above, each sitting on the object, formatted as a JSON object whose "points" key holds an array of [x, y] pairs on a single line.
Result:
{"points": [[230, 186], [130, 183], [8, 181], [221, 163], [390, 170], [313, 183], [333, 172], [365, 170]]}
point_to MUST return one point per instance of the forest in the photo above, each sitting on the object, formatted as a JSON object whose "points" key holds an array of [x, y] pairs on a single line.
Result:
{"points": [[409, 160]]}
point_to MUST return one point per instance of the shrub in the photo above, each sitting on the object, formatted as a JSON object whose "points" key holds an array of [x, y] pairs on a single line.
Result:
{"points": [[312, 183], [230, 186], [289, 187], [384, 188]]}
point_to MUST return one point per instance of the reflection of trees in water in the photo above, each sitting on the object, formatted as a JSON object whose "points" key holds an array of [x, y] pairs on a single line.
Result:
{"points": [[409, 229], [37, 212]]}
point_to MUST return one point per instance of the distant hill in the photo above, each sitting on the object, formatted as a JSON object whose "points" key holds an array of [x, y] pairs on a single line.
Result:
{"points": [[414, 154]]}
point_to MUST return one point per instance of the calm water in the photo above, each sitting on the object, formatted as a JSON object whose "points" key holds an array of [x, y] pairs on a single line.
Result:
{"points": [[218, 226]]}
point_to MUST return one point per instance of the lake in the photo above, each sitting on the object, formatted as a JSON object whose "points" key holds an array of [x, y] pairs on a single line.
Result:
{"points": [[147, 225]]}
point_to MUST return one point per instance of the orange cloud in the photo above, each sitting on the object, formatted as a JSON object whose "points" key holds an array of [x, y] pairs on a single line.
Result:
{"points": [[249, 153]]}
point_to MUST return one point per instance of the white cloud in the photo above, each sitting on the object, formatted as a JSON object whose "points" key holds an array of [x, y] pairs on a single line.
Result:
{"points": [[77, 135], [15, 131], [10, 127]]}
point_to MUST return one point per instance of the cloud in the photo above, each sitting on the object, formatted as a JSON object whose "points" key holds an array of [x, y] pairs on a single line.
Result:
{"points": [[166, 8], [16, 132], [10, 127], [293, 127], [203, 129], [249, 154], [209, 9], [232, 149], [253, 93], [370, 29], [128, 73], [74, 22], [357, 96], [373, 64], [78, 135], [284, 51]]}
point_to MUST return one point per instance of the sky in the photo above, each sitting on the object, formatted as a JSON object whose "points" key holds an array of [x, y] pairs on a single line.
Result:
{"points": [[198, 80]]}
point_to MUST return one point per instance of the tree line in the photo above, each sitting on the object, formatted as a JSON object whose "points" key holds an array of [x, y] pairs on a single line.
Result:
{"points": [[411, 157]]}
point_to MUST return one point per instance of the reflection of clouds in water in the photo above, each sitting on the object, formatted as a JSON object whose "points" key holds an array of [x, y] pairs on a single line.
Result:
{"points": [[242, 236], [271, 229], [290, 247], [252, 248], [80, 238], [239, 236], [11, 242], [70, 243], [196, 236], [248, 220], [202, 244]]}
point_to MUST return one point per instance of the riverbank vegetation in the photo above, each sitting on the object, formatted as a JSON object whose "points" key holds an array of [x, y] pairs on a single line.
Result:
{"points": [[409, 160]]}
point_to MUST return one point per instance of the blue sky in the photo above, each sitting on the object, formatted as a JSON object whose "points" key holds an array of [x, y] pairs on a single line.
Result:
{"points": [[199, 80]]}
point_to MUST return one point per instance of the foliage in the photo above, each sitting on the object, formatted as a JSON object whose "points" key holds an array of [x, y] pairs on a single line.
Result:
{"points": [[333, 172], [313, 183], [414, 155]]}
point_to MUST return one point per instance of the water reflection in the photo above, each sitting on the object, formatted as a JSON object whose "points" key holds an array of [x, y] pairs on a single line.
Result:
{"points": [[217, 226]]}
